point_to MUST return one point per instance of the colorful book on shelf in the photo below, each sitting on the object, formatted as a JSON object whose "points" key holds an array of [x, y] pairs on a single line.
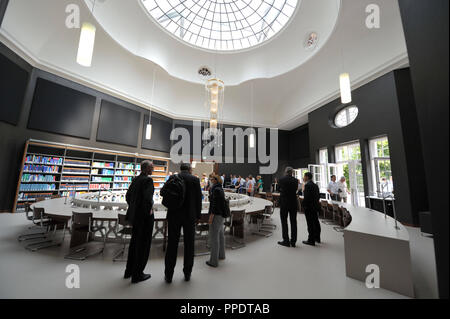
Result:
{"points": [[35, 159], [75, 170], [125, 166], [69, 161], [99, 186], [37, 187], [74, 187], [30, 178], [40, 168], [103, 165], [68, 178], [125, 172]]}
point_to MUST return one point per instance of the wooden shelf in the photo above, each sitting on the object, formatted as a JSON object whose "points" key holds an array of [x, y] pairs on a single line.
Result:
{"points": [[38, 148]]}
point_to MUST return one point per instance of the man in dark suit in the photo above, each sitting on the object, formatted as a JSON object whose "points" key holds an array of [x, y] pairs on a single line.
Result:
{"points": [[288, 207], [140, 215], [184, 217], [311, 205]]}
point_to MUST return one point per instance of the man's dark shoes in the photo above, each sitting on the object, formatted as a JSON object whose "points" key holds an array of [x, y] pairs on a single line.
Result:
{"points": [[210, 265], [285, 244], [187, 277], [292, 244], [168, 279], [318, 240], [127, 275], [310, 243], [141, 277]]}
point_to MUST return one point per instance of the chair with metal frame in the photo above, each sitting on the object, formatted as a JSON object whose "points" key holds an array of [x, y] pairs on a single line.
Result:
{"points": [[84, 222], [258, 217], [202, 227], [123, 231], [338, 218], [347, 217], [40, 225], [268, 213], [327, 209], [51, 239], [237, 220]]}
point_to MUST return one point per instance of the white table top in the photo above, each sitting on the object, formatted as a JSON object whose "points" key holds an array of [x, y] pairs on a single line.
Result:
{"points": [[58, 207]]}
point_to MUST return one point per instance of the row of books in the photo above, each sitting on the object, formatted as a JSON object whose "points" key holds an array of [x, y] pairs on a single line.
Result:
{"points": [[103, 171], [123, 178], [121, 185], [74, 170], [125, 166], [27, 178], [100, 186], [69, 161], [77, 179], [64, 187], [24, 196], [125, 172], [40, 168], [37, 187], [44, 160], [103, 164], [101, 179]]}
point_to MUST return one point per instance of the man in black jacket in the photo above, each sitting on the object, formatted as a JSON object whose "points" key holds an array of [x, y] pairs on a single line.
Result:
{"points": [[288, 207], [311, 205], [184, 217], [140, 203]]}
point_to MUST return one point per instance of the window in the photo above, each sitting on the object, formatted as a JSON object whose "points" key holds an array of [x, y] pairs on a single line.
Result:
{"points": [[383, 183], [348, 152], [222, 25], [346, 116]]}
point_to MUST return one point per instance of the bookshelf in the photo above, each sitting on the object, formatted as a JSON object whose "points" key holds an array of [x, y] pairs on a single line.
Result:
{"points": [[51, 169]]}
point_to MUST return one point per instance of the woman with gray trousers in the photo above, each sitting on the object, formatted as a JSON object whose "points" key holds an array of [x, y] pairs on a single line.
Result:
{"points": [[216, 220]]}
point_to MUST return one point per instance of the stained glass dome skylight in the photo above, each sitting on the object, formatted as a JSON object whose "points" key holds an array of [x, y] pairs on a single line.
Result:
{"points": [[223, 25]]}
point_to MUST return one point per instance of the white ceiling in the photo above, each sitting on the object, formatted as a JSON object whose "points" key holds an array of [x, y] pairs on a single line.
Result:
{"points": [[289, 81]]}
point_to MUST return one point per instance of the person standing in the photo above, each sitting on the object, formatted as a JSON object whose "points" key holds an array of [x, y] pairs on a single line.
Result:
{"points": [[311, 205], [288, 207], [260, 184], [139, 214], [216, 220], [275, 188], [343, 192], [184, 217], [333, 189]]}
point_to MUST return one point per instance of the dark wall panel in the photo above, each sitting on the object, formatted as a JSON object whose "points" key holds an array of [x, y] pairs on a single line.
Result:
{"points": [[13, 83], [161, 129], [427, 22], [62, 110], [118, 124]]}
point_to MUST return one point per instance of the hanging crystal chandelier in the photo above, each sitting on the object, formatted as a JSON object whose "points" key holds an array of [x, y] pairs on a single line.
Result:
{"points": [[215, 96]]}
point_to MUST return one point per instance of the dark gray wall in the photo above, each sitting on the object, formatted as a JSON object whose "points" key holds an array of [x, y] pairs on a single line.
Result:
{"points": [[427, 22], [379, 114], [3, 6], [13, 137]]}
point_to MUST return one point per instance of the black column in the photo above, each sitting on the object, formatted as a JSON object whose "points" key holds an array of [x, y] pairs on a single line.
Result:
{"points": [[426, 31]]}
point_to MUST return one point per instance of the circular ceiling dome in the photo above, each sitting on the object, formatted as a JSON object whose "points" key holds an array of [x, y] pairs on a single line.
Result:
{"points": [[222, 25]]}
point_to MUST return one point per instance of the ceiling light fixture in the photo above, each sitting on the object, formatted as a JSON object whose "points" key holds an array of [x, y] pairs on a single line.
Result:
{"points": [[148, 130], [346, 89], [252, 137], [87, 42], [215, 92]]}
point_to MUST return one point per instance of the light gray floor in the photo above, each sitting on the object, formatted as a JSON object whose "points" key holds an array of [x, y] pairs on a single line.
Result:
{"points": [[262, 269]]}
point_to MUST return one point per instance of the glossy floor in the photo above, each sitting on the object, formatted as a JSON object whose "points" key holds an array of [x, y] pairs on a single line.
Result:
{"points": [[262, 269]]}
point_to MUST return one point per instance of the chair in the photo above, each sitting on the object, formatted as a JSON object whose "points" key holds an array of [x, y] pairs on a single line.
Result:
{"points": [[328, 209], [40, 224], [123, 231], [202, 227], [237, 221], [84, 223], [259, 217], [51, 239], [268, 216], [338, 218], [347, 217]]}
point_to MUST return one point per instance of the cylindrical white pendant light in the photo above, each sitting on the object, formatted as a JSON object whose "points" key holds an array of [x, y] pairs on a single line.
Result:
{"points": [[86, 45], [148, 132], [346, 89], [251, 140]]}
